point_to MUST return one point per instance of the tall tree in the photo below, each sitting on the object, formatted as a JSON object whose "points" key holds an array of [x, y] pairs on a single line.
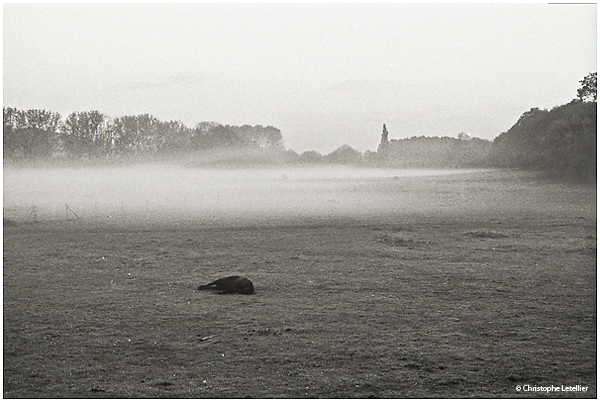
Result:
{"points": [[29, 134], [384, 135], [588, 91], [383, 145], [82, 135]]}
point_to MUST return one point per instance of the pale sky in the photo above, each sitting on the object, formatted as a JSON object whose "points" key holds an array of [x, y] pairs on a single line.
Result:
{"points": [[325, 74]]}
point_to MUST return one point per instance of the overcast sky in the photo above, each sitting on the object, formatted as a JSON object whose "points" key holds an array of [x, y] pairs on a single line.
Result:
{"points": [[326, 75]]}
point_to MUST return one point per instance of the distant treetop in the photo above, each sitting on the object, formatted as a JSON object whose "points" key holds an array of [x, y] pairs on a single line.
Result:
{"points": [[588, 91]]}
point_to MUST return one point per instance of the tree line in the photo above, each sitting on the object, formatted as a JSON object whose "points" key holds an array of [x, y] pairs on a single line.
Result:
{"points": [[561, 141], [434, 152], [40, 134]]}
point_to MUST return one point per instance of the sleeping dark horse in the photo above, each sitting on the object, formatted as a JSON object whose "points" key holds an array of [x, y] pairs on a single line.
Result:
{"points": [[231, 284]]}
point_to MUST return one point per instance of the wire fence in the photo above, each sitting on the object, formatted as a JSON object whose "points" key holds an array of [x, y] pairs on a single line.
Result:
{"points": [[34, 214], [103, 210]]}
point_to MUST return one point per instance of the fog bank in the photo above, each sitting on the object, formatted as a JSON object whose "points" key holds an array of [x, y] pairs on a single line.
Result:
{"points": [[154, 192]]}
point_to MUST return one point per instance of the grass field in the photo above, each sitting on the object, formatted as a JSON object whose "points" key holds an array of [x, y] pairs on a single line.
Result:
{"points": [[466, 285]]}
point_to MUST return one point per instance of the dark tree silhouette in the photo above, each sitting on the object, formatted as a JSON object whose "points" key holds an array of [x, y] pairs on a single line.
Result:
{"points": [[561, 141], [82, 135], [39, 134], [30, 134], [588, 91]]}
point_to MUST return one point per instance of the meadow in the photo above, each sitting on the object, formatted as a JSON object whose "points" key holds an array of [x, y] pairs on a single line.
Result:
{"points": [[369, 283]]}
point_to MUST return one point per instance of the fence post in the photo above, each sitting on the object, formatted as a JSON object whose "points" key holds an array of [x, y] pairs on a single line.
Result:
{"points": [[32, 215], [67, 210]]}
